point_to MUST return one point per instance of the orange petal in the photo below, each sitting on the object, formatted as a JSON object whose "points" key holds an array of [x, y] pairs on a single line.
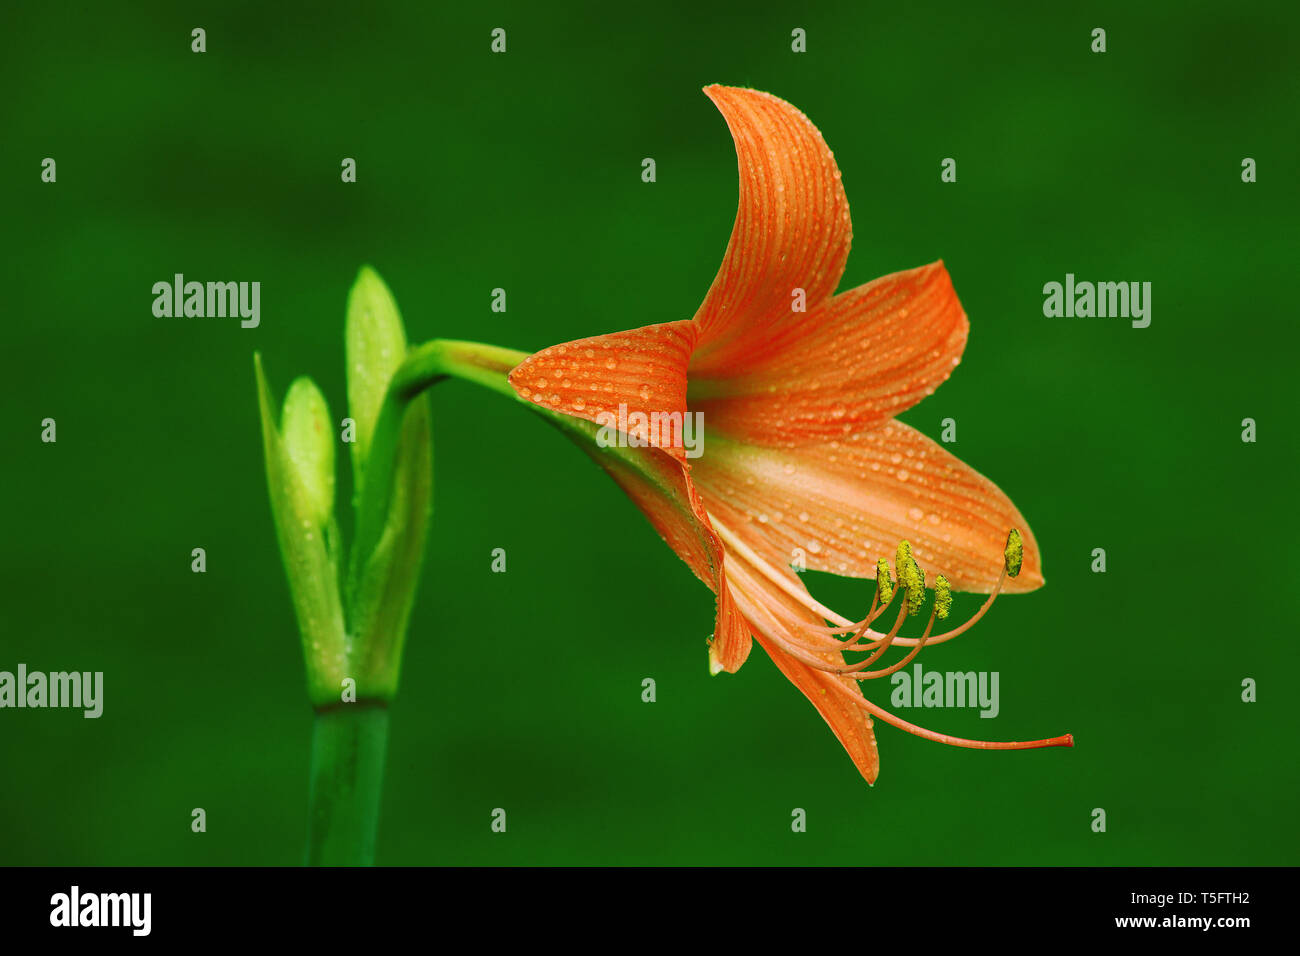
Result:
{"points": [[847, 503], [852, 363], [792, 227], [731, 637], [661, 487], [850, 723], [613, 379]]}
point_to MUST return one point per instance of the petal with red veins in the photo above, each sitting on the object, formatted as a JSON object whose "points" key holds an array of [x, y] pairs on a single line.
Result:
{"points": [[852, 363], [792, 228], [612, 379], [847, 503], [832, 695]]}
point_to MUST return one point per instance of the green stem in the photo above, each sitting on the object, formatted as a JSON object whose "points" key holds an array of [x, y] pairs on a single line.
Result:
{"points": [[425, 365], [348, 744]]}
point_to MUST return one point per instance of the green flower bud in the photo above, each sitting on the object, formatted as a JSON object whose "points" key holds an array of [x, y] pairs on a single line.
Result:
{"points": [[392, 466], [375, 348], [301, 503], [308, 436]]}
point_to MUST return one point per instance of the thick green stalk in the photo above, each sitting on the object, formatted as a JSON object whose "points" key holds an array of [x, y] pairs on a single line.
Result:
{"points": [[349, 740], [348, 745]]}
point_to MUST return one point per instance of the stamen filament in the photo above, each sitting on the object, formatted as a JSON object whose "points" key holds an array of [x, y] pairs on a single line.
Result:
{"points": [[764, 568], [884, 645], [961, 628], [872, 675], [1065, 740]]}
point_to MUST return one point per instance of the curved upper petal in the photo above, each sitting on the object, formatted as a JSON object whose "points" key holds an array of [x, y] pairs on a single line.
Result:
{"points": [[615, 379], [792, 228], [845, 504], [852, 363]]}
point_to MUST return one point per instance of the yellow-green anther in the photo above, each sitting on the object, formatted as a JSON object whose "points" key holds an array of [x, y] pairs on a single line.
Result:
{"points": [[942, 597], [903, 558], [910, 578], [915, 589], [884, 586], [1014, 554], [308, 436]]}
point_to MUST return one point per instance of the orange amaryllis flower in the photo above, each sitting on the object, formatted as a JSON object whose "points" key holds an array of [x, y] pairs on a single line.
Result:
{"points": [[804, 463]]}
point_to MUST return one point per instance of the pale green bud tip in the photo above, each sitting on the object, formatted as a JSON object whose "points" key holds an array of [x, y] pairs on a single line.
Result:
{"points": [[884, 586], [376, 347], [942, 597], [1014, 554], [308, 437]]}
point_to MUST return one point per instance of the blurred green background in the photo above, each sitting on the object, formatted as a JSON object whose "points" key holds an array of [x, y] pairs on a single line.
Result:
{"points": [[522, 690]]}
